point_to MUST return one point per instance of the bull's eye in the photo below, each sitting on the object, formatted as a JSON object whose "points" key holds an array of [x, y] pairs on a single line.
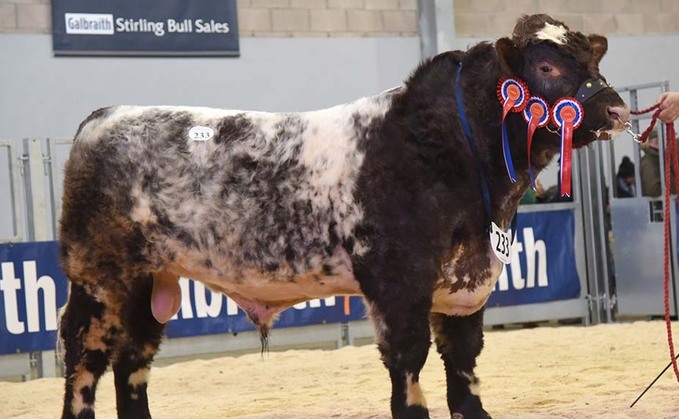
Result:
{"points": [[545, 69]]}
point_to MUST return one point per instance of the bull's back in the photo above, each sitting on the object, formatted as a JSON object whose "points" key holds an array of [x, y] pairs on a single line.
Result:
{"points": [[254, 191]]}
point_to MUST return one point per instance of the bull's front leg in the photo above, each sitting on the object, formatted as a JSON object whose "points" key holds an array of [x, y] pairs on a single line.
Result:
{"points": [[459, 340], [399, 306]]}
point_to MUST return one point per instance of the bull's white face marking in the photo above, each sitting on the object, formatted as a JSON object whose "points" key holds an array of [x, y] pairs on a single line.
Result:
{"points": [[553, 33], [201, 133], [414, 395]]}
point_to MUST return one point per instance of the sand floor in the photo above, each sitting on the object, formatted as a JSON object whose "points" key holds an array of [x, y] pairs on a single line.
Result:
{"points": [[547, 372]]}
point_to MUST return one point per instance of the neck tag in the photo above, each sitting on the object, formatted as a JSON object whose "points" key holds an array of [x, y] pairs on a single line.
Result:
{"points": [[501, 243]]}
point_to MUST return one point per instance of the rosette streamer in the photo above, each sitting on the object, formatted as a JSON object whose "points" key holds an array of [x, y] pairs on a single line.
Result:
{"points": [[536, 115], [567, 114]]}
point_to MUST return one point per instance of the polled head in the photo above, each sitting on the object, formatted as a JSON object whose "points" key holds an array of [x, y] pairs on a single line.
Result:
{"points": [[557, 63]]}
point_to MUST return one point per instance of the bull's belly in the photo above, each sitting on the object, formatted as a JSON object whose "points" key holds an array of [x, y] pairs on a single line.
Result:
{"points": [[264, 294]]}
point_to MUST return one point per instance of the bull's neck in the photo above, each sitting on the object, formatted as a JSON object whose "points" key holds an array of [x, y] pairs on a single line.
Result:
{"points": [[481, 72]]}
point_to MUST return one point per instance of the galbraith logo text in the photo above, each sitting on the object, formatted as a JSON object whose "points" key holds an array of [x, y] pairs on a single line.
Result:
{"points": [[105, 24]]}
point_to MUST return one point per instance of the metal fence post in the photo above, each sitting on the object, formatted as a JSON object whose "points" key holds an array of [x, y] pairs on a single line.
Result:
{"points": [[36, 198]]}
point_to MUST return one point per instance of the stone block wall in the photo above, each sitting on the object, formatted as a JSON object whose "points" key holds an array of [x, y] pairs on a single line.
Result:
{"points": [[376, 18]]}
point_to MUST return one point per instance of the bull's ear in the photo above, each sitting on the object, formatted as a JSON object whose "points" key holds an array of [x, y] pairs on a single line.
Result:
{"points": [[509, 54], [599, 47]]}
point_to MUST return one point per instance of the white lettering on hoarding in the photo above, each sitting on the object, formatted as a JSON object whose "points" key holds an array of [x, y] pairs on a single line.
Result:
{"points": [[535, 253], [10, 286], [89, 23]]}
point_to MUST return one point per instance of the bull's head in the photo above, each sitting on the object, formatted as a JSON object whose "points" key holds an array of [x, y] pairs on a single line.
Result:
{"points": [[556, 62]]}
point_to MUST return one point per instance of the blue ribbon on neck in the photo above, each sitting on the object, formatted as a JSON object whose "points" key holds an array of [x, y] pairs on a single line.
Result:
{"points": [[472, 144], [507, 153]]}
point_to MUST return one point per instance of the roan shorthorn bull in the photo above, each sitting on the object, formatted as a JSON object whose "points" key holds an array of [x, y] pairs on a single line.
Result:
{"points": [[385, 197]]}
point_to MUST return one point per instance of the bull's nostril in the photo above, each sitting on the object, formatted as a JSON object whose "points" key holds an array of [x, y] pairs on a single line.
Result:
{"points": [[618, 113]]}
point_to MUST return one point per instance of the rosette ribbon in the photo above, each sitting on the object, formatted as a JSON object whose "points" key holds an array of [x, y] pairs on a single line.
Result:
{"points": [[567, 114], [536, 115], [513, 95]]}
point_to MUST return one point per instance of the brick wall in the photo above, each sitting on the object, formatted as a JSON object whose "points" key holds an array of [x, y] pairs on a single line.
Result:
{"points": [[372, 18], [605, 17]]}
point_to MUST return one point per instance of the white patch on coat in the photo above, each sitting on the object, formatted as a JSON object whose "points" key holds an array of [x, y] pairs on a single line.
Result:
{"points": [[97, 127], [474, 387], [553, 33], [83, 379], [380, 326], [464, 302], [414, 394], [141, 211], [138, 378]]}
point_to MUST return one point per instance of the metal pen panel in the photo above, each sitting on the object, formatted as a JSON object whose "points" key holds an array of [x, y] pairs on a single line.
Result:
{"points": [[14, 176]]}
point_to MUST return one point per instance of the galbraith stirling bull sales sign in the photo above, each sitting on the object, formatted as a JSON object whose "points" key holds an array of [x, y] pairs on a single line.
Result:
{"points": [[145, 27]]}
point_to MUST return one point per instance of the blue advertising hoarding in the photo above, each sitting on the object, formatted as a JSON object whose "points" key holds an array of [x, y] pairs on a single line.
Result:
{"points": [[33, 287], [542, 267], [145, 27]]}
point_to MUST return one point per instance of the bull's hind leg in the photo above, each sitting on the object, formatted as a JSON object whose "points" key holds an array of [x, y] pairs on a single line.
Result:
{"points": [[138, 345], [99, 327], [459, 340], [88, 334]]}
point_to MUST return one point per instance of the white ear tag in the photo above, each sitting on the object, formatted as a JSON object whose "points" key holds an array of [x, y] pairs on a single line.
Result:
{"points": [[501, 242], [201, 133]]}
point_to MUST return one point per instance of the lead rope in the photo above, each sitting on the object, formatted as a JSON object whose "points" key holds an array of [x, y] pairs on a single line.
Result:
{"points": [[670, 159]]}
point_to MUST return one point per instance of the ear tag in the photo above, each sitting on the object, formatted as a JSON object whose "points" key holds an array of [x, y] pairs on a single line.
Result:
{"points": [[567, 114], [513, 95], [536, 115], [500, 242]]}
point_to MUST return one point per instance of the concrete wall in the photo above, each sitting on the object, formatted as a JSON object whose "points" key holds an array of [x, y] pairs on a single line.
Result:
{"points": [[44, 96]]}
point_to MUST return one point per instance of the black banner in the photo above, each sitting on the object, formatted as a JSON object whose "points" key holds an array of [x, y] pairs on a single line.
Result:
{"points": [[145, 27]]}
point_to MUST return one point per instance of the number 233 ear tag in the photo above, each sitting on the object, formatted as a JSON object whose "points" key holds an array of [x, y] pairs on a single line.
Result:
{"points": [[501, 243]]}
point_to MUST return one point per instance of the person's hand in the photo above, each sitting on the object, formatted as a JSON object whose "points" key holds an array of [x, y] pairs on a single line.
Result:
{"points": [[669, 106]]}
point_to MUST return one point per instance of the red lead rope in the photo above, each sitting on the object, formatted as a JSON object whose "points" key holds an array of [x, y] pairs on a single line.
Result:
{"points": [[670, 157], [671, 160]]}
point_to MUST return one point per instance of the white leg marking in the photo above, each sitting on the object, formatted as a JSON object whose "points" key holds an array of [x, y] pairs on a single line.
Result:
{"points": [[84, 379], [474, 387], [414, 395], [138, 377]]}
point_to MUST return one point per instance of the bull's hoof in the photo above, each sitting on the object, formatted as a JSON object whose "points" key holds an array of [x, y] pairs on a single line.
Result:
{"points": [[413, 412], [471, 415]]}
